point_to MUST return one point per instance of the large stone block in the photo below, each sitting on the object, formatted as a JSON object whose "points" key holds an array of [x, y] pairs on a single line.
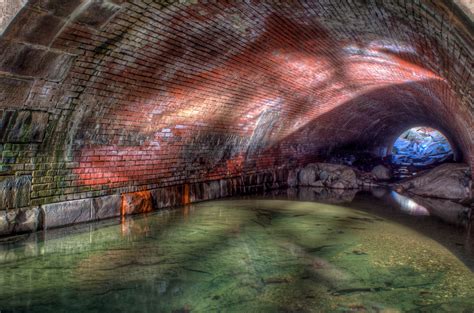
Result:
{"points": [[235, 186], [14, 191], [57, 7], [213, 189], [167, 197], [26, 127], [224, 187], [13, 92], [22, 59], [196, 192], [97, 13], [55, 66], [7, 116], [7, 220], [66, 213], [22, 191], [27, 220], [8, 10], [19, 221], [34, 27], [268, 180], [205, 191], [118, 2], [106, 207], [137, 202]]}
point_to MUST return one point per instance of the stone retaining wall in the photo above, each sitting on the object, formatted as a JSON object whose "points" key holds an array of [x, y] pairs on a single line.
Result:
{"points": [[46, 216]]}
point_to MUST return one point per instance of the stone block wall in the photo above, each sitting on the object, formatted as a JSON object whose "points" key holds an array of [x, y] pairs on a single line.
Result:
{"points": [[103, 100], [59, 214]]}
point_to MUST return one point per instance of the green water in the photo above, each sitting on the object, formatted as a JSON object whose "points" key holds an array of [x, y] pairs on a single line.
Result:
{"points": [[244, 255]]}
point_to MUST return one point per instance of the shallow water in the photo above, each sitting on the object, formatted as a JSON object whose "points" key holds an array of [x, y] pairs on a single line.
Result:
{"points": [[257, 254]]}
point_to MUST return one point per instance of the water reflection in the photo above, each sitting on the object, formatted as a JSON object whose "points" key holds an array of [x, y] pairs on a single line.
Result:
{"points": [[409, 206], [446, 210], [323, 195], [250, 254]]}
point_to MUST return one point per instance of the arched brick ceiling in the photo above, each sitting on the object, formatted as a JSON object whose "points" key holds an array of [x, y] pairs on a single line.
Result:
{"points": [[127, 95]]}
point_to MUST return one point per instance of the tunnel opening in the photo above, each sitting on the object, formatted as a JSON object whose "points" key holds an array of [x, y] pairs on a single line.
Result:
{"points": [[420, 148]]}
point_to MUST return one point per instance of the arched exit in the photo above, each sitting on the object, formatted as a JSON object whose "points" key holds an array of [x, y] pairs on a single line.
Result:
{"points": [[421, 146]]}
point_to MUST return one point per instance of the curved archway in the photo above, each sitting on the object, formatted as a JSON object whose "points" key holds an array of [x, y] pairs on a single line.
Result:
{"points": [[103, 98]]}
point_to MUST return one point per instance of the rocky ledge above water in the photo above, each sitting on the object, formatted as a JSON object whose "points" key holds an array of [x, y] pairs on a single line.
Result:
{"points": [[337, 176], [324, 175], [448, 181]]}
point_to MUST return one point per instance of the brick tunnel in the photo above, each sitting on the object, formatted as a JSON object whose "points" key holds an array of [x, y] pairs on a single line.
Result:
{"points": [[110, 107]]}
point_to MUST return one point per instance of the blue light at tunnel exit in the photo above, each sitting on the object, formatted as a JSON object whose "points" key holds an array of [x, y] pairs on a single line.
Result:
{"points": [[421, 146]]}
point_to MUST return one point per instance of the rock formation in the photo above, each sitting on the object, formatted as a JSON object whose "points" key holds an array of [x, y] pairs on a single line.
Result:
{"points": [[447, 181]]}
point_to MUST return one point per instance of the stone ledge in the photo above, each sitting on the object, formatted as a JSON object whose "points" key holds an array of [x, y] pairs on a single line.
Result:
{"points": [[73, 212], [57, 7], [106, 207], [26, 60], [19, 221], [66, 213], [34, 27]]}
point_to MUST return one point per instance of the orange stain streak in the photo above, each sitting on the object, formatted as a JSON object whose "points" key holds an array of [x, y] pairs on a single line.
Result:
{"points": [[186, 194]]}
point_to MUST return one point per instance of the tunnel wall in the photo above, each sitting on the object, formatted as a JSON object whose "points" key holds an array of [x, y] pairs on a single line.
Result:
{"points": [[107, 103]]}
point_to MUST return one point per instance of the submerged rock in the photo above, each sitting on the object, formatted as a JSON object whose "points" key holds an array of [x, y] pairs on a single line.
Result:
{"points": [[447, 181], [327, 175]]}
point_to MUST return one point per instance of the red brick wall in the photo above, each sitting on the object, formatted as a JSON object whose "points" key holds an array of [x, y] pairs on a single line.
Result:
{"points": [[133, 96]]}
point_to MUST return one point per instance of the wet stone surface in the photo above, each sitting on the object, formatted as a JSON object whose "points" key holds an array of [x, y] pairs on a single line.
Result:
{"points": [[15, 191], [326, 175], [278, 253], [448, 181]]}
